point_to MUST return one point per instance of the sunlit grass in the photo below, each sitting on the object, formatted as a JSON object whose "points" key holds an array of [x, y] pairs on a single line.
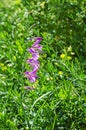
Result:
{"points": [[58, 100]]}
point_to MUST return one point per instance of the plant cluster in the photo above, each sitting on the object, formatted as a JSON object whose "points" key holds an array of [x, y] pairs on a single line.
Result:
{"points": [[34, 50]]}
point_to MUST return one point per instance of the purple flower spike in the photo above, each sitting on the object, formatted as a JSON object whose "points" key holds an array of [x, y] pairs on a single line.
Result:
{"points": [[35, 47], [31, 60], [31, 75], [37, 40], [34, 50], [35, 56], [33, 63]]}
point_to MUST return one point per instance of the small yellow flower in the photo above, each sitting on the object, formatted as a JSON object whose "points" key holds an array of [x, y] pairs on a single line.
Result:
{"points": [[69, 57], [4, 68], [60, 73], [1, 64], [62, 56], [17, 1]]}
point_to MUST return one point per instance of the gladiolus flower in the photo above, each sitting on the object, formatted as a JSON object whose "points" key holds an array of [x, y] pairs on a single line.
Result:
{"points": [[31, 75], [34, 63], [34, 50], [35, 47], [35, 55]]}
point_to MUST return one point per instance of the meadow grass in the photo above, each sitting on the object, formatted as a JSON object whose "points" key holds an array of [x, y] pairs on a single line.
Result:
{"points": [[58, 101]]}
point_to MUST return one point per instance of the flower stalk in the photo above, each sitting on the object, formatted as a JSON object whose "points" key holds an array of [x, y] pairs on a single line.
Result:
{"points": [[33, 61]]}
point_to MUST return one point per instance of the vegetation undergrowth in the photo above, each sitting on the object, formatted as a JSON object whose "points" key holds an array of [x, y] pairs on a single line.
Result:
{"points": [[58, 101]]}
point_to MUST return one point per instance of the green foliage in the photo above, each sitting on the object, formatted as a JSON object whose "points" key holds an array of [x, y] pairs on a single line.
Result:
{"points": [[65, 20], [59, 99]]}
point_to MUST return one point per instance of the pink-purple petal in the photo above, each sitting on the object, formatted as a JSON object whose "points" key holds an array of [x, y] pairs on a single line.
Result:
{"points": [[34, 50]]}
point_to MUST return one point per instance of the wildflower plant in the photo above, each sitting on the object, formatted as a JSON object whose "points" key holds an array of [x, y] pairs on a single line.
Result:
{"points": [[33, 61]]}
